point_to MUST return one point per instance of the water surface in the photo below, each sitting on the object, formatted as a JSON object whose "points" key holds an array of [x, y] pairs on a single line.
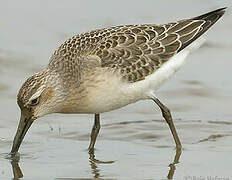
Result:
{"points": [[134, 142]]}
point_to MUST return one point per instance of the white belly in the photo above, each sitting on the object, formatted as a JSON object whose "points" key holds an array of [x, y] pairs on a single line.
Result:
{"points": [[112, 93]]}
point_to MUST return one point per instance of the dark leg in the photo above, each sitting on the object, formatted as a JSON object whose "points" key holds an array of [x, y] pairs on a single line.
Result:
{"points": [[173, 164], [16, 170], [168, 117], [94, 133]]}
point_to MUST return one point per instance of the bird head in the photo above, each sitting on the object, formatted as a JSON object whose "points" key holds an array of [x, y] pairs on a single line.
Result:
{"points": [[36, 98]]}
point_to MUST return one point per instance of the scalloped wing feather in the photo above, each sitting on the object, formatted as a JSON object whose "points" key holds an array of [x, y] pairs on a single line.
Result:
{"points": [[135, 51]]}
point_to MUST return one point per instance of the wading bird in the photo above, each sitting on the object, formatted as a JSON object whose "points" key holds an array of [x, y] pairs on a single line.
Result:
{"points": [[107, 69]]}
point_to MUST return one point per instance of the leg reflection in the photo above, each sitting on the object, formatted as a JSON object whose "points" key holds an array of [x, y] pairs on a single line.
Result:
{"points": [[16, 170], [173, 164], [93, 164]]}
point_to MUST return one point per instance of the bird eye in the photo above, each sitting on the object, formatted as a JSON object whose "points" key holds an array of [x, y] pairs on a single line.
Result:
{"points": [[34, 101]]}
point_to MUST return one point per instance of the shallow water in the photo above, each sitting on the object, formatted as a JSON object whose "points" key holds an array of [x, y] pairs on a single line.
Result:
{"points": [[134, 142]]}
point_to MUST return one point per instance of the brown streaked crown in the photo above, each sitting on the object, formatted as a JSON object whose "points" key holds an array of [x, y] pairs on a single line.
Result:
{"points": [[30, 87]]}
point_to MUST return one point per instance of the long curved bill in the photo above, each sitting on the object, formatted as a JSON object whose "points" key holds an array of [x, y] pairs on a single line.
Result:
{"points": [[24, 124]]}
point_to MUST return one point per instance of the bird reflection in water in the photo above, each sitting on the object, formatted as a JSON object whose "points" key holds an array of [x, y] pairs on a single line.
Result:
{"points": [[17, 172], [96, 172], [93, 164]]}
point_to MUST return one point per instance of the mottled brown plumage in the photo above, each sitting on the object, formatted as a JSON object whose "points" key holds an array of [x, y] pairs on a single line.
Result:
{"points": [[135, 51]]}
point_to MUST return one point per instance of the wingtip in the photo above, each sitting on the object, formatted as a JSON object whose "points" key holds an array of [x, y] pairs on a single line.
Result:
{"points": [[222, 10], [210, 18], [218, 12]]}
